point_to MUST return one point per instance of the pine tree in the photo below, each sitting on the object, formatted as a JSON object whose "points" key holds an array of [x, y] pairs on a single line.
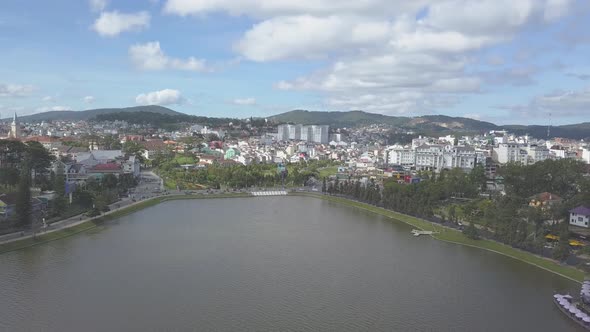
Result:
{"points": [[23, 198]]}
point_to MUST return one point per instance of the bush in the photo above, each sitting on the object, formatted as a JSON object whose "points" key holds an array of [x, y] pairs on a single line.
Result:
{"points": [[471, 231]]}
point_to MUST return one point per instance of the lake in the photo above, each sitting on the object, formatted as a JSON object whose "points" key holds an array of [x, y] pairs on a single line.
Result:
{"points": [[270, 264]]}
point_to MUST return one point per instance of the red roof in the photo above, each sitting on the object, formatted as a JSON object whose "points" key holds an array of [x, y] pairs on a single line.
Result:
{"points": [[107, 167]]}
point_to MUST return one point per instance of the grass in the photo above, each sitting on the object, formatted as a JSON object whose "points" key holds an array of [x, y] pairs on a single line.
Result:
{"points": [[455, 236], [327, 171]]}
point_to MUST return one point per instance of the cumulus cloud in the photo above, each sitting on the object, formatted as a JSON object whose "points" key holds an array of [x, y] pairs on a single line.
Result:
{"points": [[244, 101], [581, 76], [162, 97], [15, 90], [88, 99], [150, 56], [270, 8], [97, 5], [560, 103], [53, 108], [111, 24], [392, 56]]}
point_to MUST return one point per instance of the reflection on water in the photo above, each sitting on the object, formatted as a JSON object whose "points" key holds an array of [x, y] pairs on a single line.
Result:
{"points": [[269, 264]]}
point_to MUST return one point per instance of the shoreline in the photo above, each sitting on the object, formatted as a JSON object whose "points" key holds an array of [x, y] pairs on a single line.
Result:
{"points": [[456, 237], [444, 234], [93, 222]]}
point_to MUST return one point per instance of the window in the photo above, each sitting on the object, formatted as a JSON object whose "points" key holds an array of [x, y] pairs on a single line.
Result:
{"points": [[580, 219]]}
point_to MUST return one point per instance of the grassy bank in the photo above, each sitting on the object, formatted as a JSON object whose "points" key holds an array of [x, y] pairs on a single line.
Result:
{"points": [[90, 224], [455, 236]]}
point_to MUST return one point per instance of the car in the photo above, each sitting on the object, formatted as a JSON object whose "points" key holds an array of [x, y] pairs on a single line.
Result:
{"points": [[314, 189]]}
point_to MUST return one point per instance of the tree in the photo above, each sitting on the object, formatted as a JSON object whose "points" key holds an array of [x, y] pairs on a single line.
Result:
{"points": [[23, 199], [471, 231], [109, 181], [39, 158], [562, 249], [59, 186], [132, 148], [324, 185]]}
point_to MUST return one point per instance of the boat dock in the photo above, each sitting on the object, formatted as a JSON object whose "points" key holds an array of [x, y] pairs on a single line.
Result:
{"points": [[417, 232], [270, 193]]}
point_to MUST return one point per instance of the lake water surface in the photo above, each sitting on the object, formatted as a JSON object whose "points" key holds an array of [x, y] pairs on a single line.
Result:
{"points": [[270, 264]]}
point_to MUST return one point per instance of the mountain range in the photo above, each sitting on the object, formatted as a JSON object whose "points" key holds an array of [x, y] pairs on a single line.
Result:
{"points": [[90, 114], [428, 124]]}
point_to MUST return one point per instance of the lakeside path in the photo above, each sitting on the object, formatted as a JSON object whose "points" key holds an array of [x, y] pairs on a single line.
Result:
{"points": [[454, 236], [443, 233], [79, 224]]}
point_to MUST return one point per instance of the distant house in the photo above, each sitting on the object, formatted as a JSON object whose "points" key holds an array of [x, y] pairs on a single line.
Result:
{"points": [[8, 205], [544, 200], [580, 216]]}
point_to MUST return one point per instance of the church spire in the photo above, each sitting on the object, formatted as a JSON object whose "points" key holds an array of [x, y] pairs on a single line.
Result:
{"points": [[15, 118]]}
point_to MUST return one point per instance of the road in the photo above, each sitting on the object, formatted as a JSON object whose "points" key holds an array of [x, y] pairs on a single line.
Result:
{"points": [[148, 187]]}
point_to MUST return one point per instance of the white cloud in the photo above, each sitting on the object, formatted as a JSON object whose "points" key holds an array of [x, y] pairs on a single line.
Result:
{"points": [[385, 55], [162, 97], [245, 101], [150, 56], [308, 36], [52, 108], [49, 99], [111, 24], [270, 8], [15, 90], [88, 99], [97, 5], [559, 103]]}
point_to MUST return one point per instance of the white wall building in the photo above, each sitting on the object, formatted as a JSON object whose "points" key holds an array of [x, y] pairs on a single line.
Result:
{"points": [[586, 155], [580, 216], [400, 156], [537, 153], [509, 153]]}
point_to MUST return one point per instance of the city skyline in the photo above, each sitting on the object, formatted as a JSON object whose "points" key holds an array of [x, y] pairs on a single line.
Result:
{"points": [[498, 61]]}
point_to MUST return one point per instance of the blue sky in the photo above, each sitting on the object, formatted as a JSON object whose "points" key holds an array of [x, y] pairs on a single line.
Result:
{"points": [[523, 61]]}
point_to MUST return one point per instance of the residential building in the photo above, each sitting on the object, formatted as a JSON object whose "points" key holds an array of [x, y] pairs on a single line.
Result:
{"points": [[537, 153], [580, 216], [400, 156], [511, 153]]}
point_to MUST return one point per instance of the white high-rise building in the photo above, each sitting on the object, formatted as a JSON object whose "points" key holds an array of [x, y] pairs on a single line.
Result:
{"points": [[400, 156], [313, 133], [537, 153], [586, 155], [511, 153]]}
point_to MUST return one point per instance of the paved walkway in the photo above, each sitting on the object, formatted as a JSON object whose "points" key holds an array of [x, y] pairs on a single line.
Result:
{"points": [[69, 222], [144, 189]]}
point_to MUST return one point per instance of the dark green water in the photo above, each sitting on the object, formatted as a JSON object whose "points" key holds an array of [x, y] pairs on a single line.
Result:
{"points": [[270, 264]]}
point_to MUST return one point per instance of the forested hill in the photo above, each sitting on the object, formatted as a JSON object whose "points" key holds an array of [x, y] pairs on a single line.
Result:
{"points": [[428, 124], [355, 118], [89, 114], [161, 120]]}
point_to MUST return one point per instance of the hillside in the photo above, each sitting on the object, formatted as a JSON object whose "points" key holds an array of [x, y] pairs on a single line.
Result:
{"points": [[428, 124], [89, 114], [575, 131], [337, 119]]}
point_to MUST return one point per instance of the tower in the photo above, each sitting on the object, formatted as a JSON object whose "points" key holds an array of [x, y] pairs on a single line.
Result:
{"points": [[14, 128]]}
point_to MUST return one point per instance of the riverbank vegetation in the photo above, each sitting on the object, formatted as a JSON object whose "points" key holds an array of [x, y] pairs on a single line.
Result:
{"points": [[455, 236], [96, 221], [455, 198], [233, 175]]}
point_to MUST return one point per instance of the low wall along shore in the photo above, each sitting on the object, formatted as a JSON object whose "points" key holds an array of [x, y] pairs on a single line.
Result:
{"points": [[443, 233]]}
